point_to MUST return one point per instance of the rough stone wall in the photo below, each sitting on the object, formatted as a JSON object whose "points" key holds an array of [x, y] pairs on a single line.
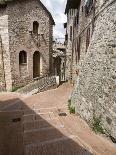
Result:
{"points": [[2, 81], [50, 47], [70, 20], [39, 85], [5, 46], [21, 17], [80, 31], [16, 26], [95, 89]]}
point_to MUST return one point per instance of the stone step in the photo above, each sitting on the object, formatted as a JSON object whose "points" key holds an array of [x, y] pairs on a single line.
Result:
{"points": [[37, 124], [39, 116], [58, 146], [44, 134], [36, 110]]}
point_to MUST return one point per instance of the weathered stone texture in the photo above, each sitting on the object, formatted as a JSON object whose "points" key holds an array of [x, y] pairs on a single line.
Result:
{"points": [[70, 21], [95, 89], [5, 46], [20, 16], [39, 85]]}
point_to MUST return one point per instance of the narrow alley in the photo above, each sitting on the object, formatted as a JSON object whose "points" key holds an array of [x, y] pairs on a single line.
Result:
{"points": [[49, 128]]}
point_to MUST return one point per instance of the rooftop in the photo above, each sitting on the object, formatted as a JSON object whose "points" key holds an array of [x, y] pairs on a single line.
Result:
{"points": [[3, 2]]}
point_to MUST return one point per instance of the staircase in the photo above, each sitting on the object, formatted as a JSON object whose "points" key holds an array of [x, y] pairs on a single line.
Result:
{"points": [[44, 133], [39, 85]]}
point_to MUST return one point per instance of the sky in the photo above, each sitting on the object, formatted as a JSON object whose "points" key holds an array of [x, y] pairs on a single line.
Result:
{"points": [[57, 8]]}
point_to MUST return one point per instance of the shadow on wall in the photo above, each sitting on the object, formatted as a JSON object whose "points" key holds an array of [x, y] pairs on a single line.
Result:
{"points": [[27, 130]]}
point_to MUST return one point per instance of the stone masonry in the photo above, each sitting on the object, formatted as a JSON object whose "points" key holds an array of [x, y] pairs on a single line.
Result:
{"points": [[93, 60], [69, 43], [2, 81], [95, 89], [17, 32]]}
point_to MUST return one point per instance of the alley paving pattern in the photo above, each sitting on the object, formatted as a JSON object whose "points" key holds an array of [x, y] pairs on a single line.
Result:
{"points": [[49, 128]]}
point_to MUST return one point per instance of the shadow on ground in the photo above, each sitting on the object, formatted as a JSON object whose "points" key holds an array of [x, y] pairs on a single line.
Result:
{"points": [[26, 130]]}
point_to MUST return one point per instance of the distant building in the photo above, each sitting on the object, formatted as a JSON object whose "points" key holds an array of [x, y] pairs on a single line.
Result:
{"points": [[59, 60], [71, 11], [91, 60], [26, 30]]}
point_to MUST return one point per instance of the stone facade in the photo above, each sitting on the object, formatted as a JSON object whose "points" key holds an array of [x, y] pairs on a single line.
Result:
{"points": [[95, 87], [27, 27], [2, 78], [69, 42], [59, 60]]}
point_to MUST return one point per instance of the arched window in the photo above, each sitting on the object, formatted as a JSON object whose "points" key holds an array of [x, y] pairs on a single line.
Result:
{"points": [[35, 27], [22, 57]]}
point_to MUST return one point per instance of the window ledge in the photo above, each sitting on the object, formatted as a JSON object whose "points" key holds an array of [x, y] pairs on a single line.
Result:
{"points": [[23, 64]]}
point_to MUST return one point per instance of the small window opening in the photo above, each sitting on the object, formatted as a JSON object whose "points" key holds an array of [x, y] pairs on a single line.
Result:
{"points": [[71, 33], [78, 47], [22, 57], [82, 8], [88, 38], [35, 27]]}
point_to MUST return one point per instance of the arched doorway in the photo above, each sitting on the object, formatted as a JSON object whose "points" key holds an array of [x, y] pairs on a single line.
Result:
{"points": [[36, 64], [57, 66]]}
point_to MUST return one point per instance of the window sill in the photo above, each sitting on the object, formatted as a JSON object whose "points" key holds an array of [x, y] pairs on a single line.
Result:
{"points": [[23, 64]]}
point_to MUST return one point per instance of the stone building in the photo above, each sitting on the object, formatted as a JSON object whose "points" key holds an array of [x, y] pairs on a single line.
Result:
{"points": [[59, 60], [26, 30], [2, 78], [71, 12], [94, 57]]}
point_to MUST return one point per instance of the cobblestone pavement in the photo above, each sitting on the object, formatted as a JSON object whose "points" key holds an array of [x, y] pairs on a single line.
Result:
{"points": [[49, 129]]}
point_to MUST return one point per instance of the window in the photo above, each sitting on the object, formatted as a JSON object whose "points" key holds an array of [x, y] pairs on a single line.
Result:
{"points": [[88, 6], [22, 57], [78, 47], [35, 27], [88, 38], [82, 8], [77, 17], [66, 37], [76, 51], [70, 33]]}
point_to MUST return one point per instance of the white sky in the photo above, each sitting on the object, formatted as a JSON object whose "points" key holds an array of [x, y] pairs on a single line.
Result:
{"points": [[57, 8]]}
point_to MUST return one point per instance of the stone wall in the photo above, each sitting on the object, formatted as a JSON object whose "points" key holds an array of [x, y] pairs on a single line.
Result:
{"points": [[2, 81], [70, 19], [20, 23], [17, 35], [5, 46], [95, 88], [80, 33], [39, 85]]}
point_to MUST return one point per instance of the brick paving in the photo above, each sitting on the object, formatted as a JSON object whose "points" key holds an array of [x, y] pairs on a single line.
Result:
{"points": [[48, 133]]}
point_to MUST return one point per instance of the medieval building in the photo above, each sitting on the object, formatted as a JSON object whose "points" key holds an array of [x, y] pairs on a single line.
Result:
{"points": [[59, 60], [26, 31], [91, 60]]}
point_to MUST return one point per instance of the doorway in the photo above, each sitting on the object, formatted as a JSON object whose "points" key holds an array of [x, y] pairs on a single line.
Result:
{"points": [[36, 64]]}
